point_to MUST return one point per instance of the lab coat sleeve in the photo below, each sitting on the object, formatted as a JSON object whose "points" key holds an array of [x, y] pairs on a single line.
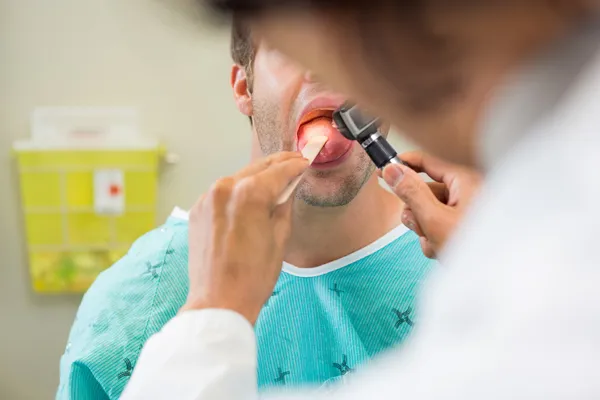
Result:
{"points": [[208, 354], [211, 355]]}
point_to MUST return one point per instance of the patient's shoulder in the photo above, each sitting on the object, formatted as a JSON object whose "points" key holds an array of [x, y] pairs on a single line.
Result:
{"points": [[126, 304], [156, 258]]}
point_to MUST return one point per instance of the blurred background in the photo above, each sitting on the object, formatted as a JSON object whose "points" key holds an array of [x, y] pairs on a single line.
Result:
{"points": [[103, 53]]}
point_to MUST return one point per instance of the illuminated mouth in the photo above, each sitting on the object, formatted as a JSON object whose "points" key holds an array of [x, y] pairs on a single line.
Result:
{"points": [[316, 114]]}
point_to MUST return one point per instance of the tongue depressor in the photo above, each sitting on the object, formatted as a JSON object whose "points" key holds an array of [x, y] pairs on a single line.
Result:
{"points": [[310, 152]]}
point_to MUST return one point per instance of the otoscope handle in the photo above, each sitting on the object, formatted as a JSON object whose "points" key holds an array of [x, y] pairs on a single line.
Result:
{"points": [[354, 125], [380, 151], [396, 160]]}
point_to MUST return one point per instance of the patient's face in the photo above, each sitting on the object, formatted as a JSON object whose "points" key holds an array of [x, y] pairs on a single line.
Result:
{"points": [[289, 106], [430, 69]]}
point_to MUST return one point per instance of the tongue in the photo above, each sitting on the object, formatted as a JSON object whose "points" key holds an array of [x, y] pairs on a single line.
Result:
{"points": [[336, 146]]}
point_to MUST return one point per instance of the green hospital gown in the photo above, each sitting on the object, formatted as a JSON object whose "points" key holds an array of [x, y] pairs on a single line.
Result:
{"points": [[319, 324]]}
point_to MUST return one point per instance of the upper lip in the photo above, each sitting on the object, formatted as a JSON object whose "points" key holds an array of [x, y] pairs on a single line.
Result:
{"points": [[323, 106]]}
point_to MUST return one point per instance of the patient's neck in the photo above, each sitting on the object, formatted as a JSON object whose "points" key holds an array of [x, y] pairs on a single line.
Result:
{"points": [[320, 235]]}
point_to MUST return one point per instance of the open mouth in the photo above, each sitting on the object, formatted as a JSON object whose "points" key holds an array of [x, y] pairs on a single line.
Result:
{"points": [[327, 161], [319, 122], [317, 114]]}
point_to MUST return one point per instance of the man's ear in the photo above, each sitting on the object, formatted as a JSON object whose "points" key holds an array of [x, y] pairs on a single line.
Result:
{"points": [[241, 92]]}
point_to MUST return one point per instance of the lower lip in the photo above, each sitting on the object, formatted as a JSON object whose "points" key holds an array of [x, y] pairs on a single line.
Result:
{"points": [[332, 164]]}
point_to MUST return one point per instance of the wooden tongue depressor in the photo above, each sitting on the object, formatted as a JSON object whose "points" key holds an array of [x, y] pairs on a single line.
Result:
{"points": [[310, 152]]}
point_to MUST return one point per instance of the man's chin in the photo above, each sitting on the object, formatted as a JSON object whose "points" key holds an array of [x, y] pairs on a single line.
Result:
{"points": [[326, 197], [325, 201], [334, 187]]}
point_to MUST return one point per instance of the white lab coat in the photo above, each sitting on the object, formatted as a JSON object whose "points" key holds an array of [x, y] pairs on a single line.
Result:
{"points": [[515, 312]]}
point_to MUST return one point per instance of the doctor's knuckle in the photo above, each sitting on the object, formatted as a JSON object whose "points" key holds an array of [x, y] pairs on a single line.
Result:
{"points": [[196, 213], [281, 156], [221, 189], [246, 191], [272, 158]]}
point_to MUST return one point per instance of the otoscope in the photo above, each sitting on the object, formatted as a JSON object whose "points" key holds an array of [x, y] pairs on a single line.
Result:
{"points": [[354, 125]]}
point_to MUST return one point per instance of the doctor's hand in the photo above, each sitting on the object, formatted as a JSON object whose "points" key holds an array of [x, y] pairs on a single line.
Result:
{"points": [[237, 237], [433, 210]]}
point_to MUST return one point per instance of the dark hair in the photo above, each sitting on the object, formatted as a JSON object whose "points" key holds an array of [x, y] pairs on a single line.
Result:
{"points": [[242, 48], [396, 28], [400, 24], [252, 7]]}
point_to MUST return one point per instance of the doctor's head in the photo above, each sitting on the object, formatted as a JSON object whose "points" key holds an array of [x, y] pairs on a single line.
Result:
{"points": [[427, 65], [287, 105]]}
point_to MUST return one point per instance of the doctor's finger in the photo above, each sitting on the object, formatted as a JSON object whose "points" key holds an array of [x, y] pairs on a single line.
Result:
{"points": [[282, 219], [439, 190], [435, 168], [276, 178], [264, 163], [409, 220], [427, 248], [411, 189], [264, 188]]}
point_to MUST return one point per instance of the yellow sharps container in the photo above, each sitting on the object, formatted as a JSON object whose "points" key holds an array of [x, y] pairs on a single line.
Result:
{"points": [[70, 240]]}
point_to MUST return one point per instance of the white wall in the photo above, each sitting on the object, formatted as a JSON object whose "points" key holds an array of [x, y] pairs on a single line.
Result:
{"points": [[102, 53], [97, 53]]}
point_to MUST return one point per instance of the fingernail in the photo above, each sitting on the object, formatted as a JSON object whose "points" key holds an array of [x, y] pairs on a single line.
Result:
{"points": [[393, 174], [407, 222], [405, 217]]}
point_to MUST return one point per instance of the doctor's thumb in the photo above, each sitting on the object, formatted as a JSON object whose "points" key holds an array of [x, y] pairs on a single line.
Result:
{"points": [[412, 190]]}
